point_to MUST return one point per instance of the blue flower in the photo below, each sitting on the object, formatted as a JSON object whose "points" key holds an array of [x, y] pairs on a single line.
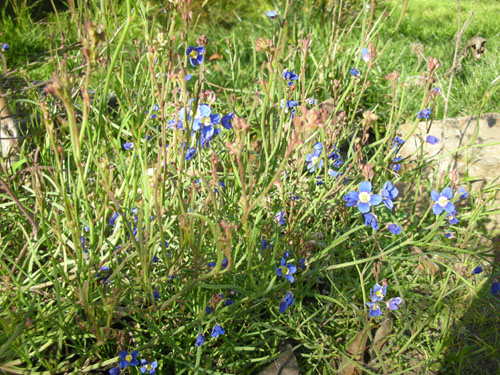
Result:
{"points": [[128, 146], [172, 124], [286, 254], [286, 270], [314, 159], [5, 46], [334, 174], [452, 218], [224, 264], [374, 309], [303, 263], [398, 141], [462, 193], [263, 244], [389, 192], [204, 117], [371, 220], [432, 140], [208, 310], [287, 301], [366, 55], [200, 340], [113, 218], [226, 120], [228, 302], [280, 216], [312, 101], [156, 295], [395, 229], [378, 293], [291, 104], [188, 77], [114, 371], [291, 76], [495, 288], [217, 331], [425, 113], [442, 201], [148, 367], [128, 359], [448, 234], [190, 153], [395, 164], [364, 199], [271, 14], [336, 158], [393, 303], [103, 275], [477, 270], [195, 55], [354, 72]]}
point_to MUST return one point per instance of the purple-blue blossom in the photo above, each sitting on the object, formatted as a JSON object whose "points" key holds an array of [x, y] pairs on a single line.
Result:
{"points": [[371, 221], [280, 216], [195, 55], [287, 302], [425, 113], [217, 331], [200, 339], [432, 140], [395, 229], [363, 199], [271, 14], [286, 270], [442, 200], [388, 193]]}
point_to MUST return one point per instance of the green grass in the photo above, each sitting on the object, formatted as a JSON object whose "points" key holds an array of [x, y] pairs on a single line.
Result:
{"points": [[60, 313], [434, 24]]}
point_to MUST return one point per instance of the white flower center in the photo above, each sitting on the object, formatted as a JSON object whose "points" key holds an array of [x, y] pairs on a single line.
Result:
{"points": [[284, 270], [314, 159], [193, 54], [364, 197], [442, 201]]}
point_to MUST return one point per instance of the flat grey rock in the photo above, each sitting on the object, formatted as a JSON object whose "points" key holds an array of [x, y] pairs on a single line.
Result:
{"points": [[284, 364], [467, 146]]}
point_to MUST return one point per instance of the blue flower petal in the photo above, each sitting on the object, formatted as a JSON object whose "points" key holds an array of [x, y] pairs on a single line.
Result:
{"points": [[365, 187], [450, 207], [205, 110], [375, 199], [447, 192], [437, 209], [435, 195], [363, 207]]}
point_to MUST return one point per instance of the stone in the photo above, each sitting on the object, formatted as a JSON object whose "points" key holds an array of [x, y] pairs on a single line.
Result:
{"points": [[469, 145], [284, 364], [9, 132]]}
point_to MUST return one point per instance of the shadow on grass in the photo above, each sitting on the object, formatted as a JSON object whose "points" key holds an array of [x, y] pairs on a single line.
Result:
{"points": [[473, 345]]}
